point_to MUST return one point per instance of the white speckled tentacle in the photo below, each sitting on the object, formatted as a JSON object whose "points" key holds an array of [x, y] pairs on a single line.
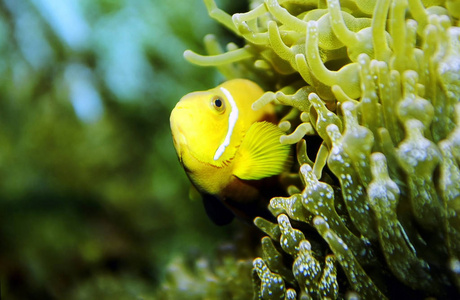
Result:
{"points": [[232, 118]]}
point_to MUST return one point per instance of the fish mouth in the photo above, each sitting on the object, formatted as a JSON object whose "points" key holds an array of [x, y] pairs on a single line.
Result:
{"points": [[180, 144], [179, 139]]}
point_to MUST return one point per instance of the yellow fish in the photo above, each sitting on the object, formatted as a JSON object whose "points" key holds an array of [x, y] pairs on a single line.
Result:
{"points": [[227, 148]]}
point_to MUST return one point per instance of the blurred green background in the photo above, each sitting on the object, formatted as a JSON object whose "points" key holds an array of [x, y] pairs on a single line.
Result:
{"points": [[93, 202]]}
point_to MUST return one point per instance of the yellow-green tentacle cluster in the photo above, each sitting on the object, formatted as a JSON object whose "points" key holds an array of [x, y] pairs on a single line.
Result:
{"points": [[379, 82]]}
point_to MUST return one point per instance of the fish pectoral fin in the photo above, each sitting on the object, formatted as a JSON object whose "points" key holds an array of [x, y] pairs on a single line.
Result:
{"points": [[216, 210], [261, 154]]}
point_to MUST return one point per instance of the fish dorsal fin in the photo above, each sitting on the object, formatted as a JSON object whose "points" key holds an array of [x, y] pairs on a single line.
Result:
{"points": [[261, 154]]}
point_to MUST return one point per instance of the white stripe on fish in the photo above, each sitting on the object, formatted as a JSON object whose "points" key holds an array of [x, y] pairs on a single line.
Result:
{"points": [[232, 118]]}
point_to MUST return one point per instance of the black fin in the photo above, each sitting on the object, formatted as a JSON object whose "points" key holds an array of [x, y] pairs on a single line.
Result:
{"points": [[216, 210]]}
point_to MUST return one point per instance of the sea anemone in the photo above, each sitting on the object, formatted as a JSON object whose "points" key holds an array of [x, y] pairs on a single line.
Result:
{"points": [[377, 213]]}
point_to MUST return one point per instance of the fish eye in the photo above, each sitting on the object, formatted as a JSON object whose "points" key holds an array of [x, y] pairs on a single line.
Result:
{"points": [[218, 104]]}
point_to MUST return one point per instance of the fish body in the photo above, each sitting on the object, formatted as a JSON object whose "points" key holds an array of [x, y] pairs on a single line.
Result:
{"points": [[227, 148]]}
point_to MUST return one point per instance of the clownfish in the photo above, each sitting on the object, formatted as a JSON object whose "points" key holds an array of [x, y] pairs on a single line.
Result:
{"points": [[228, 150]]}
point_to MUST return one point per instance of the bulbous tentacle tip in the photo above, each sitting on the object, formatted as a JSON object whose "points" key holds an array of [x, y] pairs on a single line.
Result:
{"points": [[333, 132], [378, 163], [348, 106], [319, 221], [291, 294]]}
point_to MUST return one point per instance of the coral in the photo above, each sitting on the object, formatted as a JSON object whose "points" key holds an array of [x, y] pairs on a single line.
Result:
{"points": [[376, 213]]}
